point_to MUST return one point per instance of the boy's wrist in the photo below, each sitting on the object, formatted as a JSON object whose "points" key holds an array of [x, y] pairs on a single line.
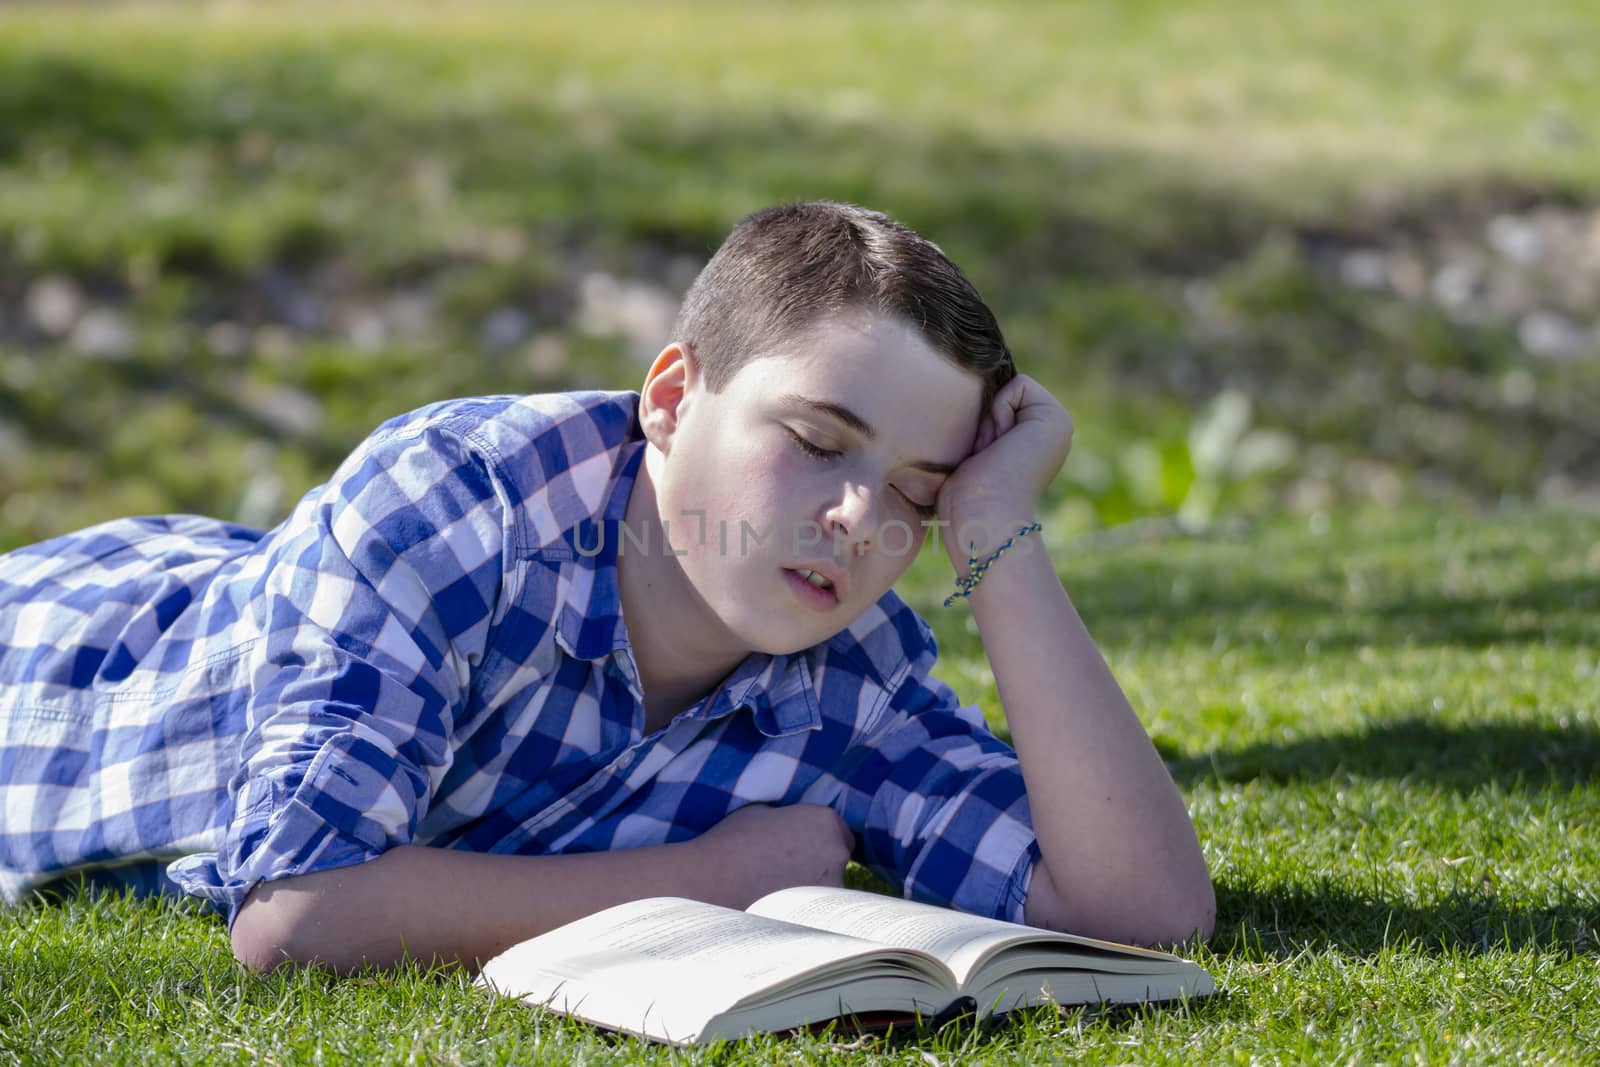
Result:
{"points": [[980, 537], [1024, 569]]}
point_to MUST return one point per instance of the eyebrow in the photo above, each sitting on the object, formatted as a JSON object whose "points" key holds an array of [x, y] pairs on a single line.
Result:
{"points": [[856, 423]]}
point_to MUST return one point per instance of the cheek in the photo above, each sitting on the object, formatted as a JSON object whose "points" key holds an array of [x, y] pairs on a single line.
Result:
{"points": [[753, 497], [768, 481], [897, 551]]}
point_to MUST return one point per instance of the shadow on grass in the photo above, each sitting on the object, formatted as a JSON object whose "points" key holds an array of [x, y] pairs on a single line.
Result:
{"points": [[79, 104], [1456, 757], [1020, 198], [1283, 922], [1171, 603], [1082, 247], [959, 1031]]}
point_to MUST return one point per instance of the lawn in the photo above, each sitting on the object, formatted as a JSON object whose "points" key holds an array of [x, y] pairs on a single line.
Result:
{"points": [[1313, 277], [1387, 737], [234, 237]]}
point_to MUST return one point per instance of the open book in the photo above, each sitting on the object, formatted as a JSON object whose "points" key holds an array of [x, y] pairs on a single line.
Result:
{"points": [[686, 972]]}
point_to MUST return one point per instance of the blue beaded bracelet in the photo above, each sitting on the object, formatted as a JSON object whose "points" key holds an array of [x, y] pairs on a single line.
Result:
{"points": [[965, 586]]}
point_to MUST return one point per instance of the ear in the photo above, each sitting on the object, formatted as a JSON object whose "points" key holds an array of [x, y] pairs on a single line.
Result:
{"points": [[672, 377]]}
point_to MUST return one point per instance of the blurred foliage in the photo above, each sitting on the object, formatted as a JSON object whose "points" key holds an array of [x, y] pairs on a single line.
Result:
{"points": [[262, 229]]}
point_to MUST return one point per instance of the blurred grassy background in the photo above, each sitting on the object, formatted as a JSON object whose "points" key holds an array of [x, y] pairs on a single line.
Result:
{"points": [[1291, 262], [1273, 256]]}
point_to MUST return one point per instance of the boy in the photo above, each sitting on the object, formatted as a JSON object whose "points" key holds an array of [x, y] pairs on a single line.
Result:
{"points": [[525, 658]]}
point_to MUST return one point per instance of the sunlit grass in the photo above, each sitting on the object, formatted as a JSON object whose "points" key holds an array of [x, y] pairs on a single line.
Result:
{"points": [[1101, 170], [1384, 725], [1301, 86], [1401, 828]]}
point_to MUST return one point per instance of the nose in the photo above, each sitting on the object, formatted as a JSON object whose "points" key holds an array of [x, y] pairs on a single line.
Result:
{"points": [[853, 521]]}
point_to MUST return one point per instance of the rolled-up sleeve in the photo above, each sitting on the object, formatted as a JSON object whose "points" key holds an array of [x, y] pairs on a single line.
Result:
{"points": [[938, 804], [372, 611]]}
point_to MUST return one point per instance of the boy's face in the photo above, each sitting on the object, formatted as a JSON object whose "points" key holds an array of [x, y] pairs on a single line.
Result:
{"points": [[773, 508]]}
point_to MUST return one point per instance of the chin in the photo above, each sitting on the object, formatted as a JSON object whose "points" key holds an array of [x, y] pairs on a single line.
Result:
{"points": [[778, 635], [782, 629], [763, 640]]}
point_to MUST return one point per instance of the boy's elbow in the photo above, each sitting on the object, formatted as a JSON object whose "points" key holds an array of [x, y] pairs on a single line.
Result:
{"points": [[1184, 922], [263, 938], [1196, 916], [1179, 910], [1187, 916], [1190, 921], [275, 929], [1176, 913]]}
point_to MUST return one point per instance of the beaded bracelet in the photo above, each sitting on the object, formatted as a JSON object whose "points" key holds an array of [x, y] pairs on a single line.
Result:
{"points": [[965, 586]]}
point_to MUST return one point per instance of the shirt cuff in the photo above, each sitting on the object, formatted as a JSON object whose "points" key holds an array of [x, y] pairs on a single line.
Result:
{"points": [[991, 876], [353, 803]]}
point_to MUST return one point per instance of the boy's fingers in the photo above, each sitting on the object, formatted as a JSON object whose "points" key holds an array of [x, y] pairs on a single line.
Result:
{"points": [[1007, 408], [985, 435], [1005, 415]]}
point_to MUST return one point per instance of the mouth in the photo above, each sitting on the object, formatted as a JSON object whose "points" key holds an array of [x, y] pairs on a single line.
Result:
{"points": [[813, 587]]}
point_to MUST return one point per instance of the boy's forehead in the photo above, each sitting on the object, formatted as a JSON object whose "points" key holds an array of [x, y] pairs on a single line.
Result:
{"points": [[865, 376], [880, 369], [866, 348]]}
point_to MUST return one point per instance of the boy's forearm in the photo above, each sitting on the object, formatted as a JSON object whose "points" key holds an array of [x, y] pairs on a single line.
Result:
{"points": [[1121, 859], [449, 906]]}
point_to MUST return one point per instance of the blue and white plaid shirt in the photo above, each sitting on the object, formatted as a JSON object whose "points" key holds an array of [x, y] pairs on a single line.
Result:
{"points": [[430, 651]]}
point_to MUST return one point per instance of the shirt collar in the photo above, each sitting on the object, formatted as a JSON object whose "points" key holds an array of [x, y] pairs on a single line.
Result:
{"points": [[778, 689]]}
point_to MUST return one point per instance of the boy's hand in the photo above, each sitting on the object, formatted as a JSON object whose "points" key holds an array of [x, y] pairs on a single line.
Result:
{"points": [[764, 848], [1023, 439]]}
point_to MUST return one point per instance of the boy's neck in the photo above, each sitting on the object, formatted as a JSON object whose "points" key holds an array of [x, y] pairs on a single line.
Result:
{"points": [[662, 615]]}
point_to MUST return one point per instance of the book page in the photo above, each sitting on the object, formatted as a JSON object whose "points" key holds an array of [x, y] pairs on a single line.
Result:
{"points": [[955, 937], [665, 966], [963, 941]]}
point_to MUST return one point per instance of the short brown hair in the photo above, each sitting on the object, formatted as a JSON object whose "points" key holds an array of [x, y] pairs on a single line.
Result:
{"points": [[784, 268]]}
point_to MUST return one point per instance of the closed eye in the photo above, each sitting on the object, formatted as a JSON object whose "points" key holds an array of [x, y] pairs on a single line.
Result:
{"points": [[812, 450], [926, 511]]}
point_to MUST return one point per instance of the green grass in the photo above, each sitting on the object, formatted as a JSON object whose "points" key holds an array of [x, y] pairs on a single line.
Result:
{"points": [[1086, 137], [1088, 164], [1387, 737], [1384, 723]]}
